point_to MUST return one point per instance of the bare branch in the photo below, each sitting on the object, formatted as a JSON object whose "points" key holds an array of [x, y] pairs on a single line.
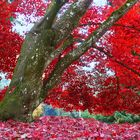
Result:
{"points": [[115, 60]]}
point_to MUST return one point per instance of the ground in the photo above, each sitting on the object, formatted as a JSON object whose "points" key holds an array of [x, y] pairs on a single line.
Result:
{"points": [[66, 128]]}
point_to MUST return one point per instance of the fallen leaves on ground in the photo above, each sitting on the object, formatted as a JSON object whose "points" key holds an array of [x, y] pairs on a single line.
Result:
{"points": [[66, 128]]}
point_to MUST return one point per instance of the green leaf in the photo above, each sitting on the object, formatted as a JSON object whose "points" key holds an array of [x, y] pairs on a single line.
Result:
{"points": [[11, 19]]}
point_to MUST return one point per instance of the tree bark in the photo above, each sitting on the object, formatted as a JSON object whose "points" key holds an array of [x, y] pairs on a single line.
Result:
{"points": [[26, 84], [26, 90]]}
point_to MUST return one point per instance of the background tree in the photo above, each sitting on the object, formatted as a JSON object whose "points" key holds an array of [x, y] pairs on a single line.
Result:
{"points": [[56, 42]]}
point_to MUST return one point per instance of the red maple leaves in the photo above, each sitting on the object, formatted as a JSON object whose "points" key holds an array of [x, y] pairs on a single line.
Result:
{"points": [[68, 129], [10, 42]]}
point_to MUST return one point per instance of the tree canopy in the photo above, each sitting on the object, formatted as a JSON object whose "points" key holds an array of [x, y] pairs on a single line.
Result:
{"points": [[77, 56]]}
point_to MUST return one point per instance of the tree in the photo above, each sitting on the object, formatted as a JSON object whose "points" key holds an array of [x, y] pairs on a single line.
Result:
{"points": [[53, 40]]}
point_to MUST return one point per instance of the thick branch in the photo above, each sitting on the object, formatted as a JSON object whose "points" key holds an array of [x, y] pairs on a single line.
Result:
{"points": [[47, 20], [92, 39], [58, 51], [33, 41], [97, 34], [116, 24], [67, 22]]}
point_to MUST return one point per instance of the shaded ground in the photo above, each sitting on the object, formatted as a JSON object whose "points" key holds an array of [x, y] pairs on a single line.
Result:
{"points": [[65, 128]]}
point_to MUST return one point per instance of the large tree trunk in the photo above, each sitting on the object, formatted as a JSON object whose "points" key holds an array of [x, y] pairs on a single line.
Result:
{"points": [[26, 90], [26, 85]]}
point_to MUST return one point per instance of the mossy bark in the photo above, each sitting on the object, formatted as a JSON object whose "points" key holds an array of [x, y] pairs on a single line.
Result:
{"points": [[27, 82], [26, 90]]}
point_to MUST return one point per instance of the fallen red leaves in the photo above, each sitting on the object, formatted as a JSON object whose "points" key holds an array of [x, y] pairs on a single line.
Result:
{"points": [[65, 128]]}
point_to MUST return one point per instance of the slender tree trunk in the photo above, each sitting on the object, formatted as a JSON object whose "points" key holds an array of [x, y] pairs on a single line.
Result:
{"points": [[26, 90]]}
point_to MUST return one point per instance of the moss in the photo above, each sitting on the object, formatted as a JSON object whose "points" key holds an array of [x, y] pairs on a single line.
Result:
{"points": [[10, 107]]}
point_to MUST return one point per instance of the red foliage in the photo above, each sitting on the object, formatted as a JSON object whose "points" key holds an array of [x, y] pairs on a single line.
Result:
{"points": [[10, 42], [110, 84]]}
